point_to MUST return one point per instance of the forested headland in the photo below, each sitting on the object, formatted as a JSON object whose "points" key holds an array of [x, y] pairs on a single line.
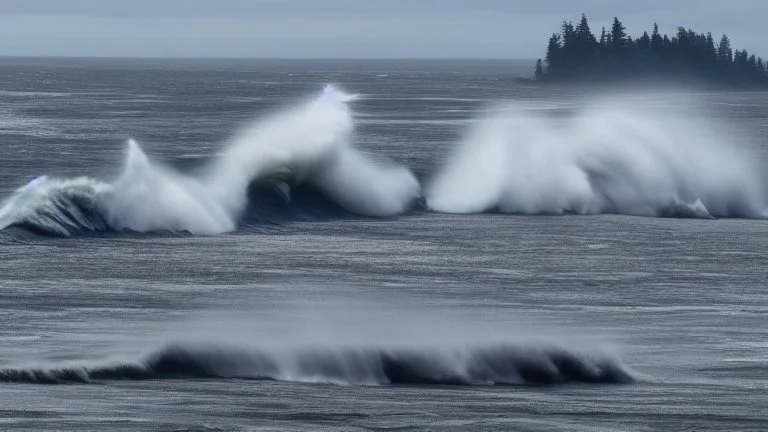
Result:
{"points": [[576, 54]]}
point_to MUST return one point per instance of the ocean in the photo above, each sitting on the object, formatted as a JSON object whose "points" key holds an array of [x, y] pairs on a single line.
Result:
{"points": [[237, 245]]}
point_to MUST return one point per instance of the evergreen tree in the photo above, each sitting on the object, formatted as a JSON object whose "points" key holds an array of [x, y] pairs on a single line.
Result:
{"points": [[584, 34], [575, 53], [618, 35], [751, 70], [603, 40], [586, 48], [711, 51], [569, 34], [644, 42], [724, 52], [657, 43], [569, 51], [553, 53]]}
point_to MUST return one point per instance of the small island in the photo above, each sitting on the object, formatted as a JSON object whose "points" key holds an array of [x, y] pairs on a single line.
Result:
{"points": [[576, 55]]}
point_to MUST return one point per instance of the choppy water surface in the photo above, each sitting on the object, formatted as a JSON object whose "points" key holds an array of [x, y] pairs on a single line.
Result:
{"points": [[230, 245]]}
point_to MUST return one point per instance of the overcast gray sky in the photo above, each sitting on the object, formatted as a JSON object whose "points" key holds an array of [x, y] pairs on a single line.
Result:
{"points": [[346, 28]]}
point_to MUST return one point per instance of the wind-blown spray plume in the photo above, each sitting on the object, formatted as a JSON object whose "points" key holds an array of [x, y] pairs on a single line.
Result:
{"points": [[310, 144], [607, 159], [314, 146], [151, 197]]}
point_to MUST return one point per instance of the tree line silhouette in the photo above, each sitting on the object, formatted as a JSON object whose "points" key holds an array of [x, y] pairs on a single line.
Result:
{"points": [[576, 54]]}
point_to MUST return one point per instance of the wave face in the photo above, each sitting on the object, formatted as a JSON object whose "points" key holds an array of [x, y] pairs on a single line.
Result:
{"points": [[480, 365], [57, 207], [309, 145], [605, 159]]}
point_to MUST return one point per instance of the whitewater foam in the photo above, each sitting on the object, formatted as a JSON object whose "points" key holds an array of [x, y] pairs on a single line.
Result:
{"points": [[314, 147], [57, 206], [309, 144], [151, 197], [607, 158]]}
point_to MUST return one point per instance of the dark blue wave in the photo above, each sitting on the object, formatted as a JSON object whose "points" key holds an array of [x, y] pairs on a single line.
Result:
{"points": [[485, 365]]}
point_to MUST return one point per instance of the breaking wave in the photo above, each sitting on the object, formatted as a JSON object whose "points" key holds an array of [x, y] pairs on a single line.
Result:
{"points": [[605, 159], [481, 365], [308, 147], [301, 165]]}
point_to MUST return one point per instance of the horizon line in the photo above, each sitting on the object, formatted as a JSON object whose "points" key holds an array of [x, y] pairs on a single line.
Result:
{"points": [[131, 57]]}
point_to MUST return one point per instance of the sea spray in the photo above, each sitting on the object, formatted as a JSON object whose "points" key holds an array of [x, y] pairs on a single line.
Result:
{"points": [[309, 144], [607, 158], [313, 144], [151, 197]]}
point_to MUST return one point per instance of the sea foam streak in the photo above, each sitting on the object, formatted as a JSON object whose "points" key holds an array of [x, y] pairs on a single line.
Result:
{"points": [[605, 159], [463, 365], [310, 144]]}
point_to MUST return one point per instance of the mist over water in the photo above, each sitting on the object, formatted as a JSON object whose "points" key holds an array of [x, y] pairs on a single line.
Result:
{"points": [[345, 342], [605, 158]]}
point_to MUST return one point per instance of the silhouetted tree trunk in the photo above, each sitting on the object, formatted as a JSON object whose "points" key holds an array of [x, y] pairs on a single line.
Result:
{"points": [[539, 70]]}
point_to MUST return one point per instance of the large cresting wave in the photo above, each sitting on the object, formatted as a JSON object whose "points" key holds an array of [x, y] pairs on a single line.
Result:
{"points": [[608, 158], [494, 364], [605, 158], [309, 146]]}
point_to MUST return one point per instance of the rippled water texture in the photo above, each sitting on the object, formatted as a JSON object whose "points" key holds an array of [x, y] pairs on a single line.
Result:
{"points": [[230, 245]]}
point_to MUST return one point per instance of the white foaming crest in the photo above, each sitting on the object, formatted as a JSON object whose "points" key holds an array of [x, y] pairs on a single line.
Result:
{"points": [[307, 144], [44, 200], [313, 144], [151, 197], [605, 159]]}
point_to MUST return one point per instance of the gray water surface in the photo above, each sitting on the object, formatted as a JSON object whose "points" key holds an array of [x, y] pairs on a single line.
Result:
{"points": [[680, 303]]}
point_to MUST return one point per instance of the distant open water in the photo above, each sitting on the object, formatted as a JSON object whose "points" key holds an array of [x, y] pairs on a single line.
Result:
{"points": [[328, 288]]}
